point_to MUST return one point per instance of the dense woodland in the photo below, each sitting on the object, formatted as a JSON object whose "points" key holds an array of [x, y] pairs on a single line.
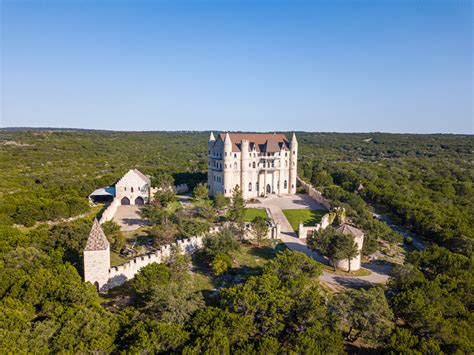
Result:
{"points": [[424, 181]]}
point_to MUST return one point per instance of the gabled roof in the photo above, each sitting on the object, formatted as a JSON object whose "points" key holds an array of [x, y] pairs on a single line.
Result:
{"points": [[263, 142], [347, 229], [137, 172], [97, 239]]}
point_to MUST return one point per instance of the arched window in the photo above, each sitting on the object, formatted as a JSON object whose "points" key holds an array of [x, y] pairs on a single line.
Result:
{"points": [[285, 184], [293, 163], [253, 165], [286, 154], [294, 152], [131, 189], [125, 188], [250, 186]]}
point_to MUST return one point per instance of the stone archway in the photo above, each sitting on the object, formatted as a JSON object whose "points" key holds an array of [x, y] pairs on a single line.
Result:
{"points": [[269, 189], [125, 201], [139, 201]]}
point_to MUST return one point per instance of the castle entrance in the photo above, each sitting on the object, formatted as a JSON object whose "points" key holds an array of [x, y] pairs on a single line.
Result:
{"points": [[269, 189], [125, 201]]}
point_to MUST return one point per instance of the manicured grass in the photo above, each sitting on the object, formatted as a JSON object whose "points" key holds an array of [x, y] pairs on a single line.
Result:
{"points": [[308, 217], [251, 213], [116, 259]]}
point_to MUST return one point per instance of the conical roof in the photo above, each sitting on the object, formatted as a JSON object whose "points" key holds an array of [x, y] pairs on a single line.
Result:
{"points": [[97, 239], [211, 137], [347, 229]]}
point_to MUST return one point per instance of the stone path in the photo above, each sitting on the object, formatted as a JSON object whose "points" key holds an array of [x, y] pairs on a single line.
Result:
{"points": [[288, 236]]}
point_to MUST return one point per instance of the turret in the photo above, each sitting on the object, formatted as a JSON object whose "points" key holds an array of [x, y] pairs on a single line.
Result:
{"points": [[293, 164], [97, 257], [228, 184], [212, 138], [244, 147]]}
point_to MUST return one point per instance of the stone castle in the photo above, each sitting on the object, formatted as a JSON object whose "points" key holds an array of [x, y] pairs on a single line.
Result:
{"points": [[258, 163]]}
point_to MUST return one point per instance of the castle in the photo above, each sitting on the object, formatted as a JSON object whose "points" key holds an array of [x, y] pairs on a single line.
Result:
{"points": [[258, 163]]}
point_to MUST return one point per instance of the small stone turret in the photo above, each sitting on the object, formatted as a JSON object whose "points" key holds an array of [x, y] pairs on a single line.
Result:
{"points": [[293, 164], [97, 257]]}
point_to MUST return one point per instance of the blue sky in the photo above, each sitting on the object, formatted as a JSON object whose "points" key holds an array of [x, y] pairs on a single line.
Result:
{"points": [[346, 66]]}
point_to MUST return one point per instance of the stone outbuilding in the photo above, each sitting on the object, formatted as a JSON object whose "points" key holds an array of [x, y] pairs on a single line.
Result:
{"points": [[133, 188], [358, 236], [97, 257]]}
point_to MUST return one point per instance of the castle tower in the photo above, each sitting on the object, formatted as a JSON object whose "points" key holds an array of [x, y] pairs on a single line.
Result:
{"points": [[210, 173], [293, 164], [228, 183], [244, 147], [97, 257]]}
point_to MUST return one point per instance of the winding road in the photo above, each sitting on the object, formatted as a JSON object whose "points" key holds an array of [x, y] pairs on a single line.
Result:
{"points": [[275, 205]]}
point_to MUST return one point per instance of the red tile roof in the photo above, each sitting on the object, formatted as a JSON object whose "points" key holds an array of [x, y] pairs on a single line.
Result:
{"points": [[263, 142]]}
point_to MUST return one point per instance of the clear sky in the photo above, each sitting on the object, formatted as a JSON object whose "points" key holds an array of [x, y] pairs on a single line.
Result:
{"points": [[346, 66]]}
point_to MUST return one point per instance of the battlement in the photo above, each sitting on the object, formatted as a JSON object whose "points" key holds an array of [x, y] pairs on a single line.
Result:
{"points": [[117, 275]]}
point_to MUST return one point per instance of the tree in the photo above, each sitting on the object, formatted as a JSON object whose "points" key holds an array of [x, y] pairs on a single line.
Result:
{"points": [[260, 229], [221, 242], [164, 183], [221, 263], [365, 313], [220, 201], [237, 206], [114, 235], [200, 192], [342, 247]]}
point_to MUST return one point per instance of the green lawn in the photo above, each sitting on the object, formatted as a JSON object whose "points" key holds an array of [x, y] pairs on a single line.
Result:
{"points": [[116, 259], [251, 213], [308, 217]]}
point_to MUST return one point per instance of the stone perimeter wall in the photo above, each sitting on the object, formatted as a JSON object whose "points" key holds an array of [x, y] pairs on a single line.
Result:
{"points": [[109, 212], [120, 274], [314, 194]]}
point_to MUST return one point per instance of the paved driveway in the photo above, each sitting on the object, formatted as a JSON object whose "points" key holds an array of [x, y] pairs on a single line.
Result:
{"points": [[288, 236], [128, 218]]}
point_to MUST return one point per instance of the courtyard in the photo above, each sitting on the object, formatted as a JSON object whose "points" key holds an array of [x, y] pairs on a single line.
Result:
{"points": [[128, 217]]}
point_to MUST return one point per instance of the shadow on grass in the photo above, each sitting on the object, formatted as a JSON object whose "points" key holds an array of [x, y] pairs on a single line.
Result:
{"points": [[264, 252]]}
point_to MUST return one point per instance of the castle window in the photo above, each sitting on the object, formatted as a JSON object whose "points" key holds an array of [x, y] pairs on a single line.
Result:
{"points": [[250, 165], [250, 155], [235, 155], [125, 188], [131, 189], [250, 186], [294, 152], [256, 186], [293, 163], [286, 154], [235, 166], [273, 164], [286, 163], [285, 184], [225, 153], [253, 165]]}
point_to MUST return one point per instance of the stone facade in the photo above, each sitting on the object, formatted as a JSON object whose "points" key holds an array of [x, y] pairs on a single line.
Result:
{"points": [[259, 164], [133, 188]]}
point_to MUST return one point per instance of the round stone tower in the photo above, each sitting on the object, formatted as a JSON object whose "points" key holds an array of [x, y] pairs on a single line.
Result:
{"points": [[227, 166], [210, 173], [244, 147], [293, 164]]}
